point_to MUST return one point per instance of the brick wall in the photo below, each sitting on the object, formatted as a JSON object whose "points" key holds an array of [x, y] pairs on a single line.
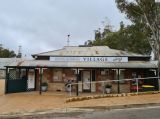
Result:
{"points": [[49, 76], [68, 74]]}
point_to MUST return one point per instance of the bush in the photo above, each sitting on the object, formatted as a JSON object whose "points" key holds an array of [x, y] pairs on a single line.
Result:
{"points": [[44, 84], [108, 86]]}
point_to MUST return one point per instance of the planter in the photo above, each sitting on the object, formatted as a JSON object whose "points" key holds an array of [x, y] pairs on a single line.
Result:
{"points": [[44, 88], [108, 90]]}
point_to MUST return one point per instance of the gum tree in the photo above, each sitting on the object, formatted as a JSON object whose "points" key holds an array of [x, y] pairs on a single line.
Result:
{"points": [[147, 13]]}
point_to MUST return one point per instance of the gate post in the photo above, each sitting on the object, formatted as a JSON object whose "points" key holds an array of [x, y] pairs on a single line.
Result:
{"points": [[77, 74], [118, 82], [40, 90], [6, 83]]}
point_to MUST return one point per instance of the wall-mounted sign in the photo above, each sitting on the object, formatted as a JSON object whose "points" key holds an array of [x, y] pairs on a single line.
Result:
{"points": [[89, 59]]}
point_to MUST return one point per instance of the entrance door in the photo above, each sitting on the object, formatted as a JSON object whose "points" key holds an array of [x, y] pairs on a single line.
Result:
{"points": [[31, 80], [86, 77]]}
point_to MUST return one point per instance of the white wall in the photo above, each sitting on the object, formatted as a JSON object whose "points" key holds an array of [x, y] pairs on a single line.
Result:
{"points": [[2, 86]]}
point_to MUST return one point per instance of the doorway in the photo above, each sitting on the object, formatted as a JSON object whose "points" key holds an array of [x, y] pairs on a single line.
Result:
{"points": [[86, 79]]}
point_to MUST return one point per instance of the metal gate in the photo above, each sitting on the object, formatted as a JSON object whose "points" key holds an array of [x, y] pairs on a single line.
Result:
{"points": [[15, 84]]}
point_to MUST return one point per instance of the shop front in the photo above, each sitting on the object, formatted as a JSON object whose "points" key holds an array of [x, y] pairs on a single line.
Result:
{"points": [[86, 68]]}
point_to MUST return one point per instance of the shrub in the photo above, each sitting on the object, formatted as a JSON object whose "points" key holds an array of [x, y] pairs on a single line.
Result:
{"points": [[108, 86], [44, 84]]}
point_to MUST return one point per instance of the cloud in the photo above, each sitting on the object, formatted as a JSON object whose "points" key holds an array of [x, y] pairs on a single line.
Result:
{"points": [[42, 25]]}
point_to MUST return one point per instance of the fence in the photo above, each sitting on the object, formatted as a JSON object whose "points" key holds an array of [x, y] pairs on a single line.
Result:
{"points": [[114, 86]]}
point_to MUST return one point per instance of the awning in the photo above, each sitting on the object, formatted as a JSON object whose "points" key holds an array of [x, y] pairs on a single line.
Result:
{"points": [[46, 63]]}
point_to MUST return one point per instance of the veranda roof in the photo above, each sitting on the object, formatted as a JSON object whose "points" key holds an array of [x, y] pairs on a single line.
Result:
{"points": [[7, 61], [46, 63]]}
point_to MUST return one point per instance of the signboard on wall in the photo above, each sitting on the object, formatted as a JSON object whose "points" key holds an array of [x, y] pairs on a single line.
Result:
{"points": [[90, 59]]}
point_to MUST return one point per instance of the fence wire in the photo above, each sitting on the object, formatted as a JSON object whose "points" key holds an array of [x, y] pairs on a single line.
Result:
{"points": [[113, 86]]}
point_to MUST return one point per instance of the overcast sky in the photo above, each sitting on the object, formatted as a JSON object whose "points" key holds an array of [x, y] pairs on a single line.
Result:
{"points": [[43, 25]]}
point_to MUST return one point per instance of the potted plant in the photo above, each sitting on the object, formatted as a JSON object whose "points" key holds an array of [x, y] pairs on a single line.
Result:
{"points": [[108, 88], [44, 86]]}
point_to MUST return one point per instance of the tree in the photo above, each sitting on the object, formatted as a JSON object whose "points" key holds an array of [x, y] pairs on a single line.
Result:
{"points": [[147, 13], [5, 53], [129, 38], [142, 35]]}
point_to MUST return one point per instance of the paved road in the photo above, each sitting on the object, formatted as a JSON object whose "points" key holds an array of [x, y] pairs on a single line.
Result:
{"points": [[130, 113], [142, 113]]}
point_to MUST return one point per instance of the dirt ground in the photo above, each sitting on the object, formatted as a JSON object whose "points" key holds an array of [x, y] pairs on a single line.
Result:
{"points": [[32, 101]]}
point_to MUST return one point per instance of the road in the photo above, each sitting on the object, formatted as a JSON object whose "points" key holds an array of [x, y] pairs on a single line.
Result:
{"points": [[135, 113], [129, 113]]}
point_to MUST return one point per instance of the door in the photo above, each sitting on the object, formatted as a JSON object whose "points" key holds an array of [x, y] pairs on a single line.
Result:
{"points": [[86, 77], [31, 80]]}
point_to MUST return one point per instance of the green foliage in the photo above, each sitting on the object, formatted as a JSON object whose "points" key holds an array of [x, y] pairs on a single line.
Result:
{"points": [[145, 13], [130, 38], [44, 84], [108, 86], [136, 9], [5, 53], [135, 37]]}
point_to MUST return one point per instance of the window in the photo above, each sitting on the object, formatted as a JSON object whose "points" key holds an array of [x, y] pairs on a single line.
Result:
{"points": [[57, 75], [121, 76]]}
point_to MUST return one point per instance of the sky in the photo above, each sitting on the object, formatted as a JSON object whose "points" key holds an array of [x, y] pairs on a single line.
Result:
{"points": [[43, 25]]}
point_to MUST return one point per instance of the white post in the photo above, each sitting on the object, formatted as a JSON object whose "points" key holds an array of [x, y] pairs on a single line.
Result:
{"points": [[103, 86], [137, 84], [70, 91]]}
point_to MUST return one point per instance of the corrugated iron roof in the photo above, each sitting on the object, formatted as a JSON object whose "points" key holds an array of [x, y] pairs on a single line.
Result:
{"points": [[45, 63], [7, 61], [87, 51]]}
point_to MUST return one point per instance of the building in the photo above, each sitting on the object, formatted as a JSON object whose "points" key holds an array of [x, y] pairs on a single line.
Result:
{"points": [[83, 65]]}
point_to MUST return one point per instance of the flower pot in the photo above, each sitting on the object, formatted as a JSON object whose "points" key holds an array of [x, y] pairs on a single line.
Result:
{"points": [[108, 90], [44, 88]]}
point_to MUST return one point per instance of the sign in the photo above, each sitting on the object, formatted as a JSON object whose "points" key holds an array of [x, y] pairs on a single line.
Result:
{"points": [[89, 59]]}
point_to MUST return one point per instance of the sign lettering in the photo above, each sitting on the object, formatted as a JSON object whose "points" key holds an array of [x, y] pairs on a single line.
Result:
{"points": [[89, 59]]}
